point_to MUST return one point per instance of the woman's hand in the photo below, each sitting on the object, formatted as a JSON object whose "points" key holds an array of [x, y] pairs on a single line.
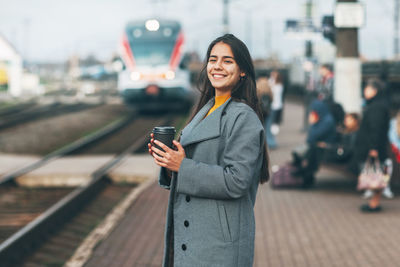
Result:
{"points": [[170, 159]]}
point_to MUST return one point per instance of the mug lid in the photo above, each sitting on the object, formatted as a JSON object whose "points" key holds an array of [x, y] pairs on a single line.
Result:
{"points": [[164, 129]]}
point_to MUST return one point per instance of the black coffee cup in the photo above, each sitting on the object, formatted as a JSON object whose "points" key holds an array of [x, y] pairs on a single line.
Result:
{"points": [[164, 134]]}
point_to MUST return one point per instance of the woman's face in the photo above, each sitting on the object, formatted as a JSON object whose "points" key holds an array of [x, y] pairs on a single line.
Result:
{"points": [[350, 122], [222, 70], [370, 92]]}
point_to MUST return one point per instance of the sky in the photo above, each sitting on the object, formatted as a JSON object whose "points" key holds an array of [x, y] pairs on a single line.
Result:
{"points": [[48, 30]]}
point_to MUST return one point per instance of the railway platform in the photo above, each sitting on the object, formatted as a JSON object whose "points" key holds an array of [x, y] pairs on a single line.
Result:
{"points": [[75, 171], [321, 226]]}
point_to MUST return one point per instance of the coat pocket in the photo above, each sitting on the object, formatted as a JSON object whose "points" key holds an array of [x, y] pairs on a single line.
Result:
{"points": [[223, 219]]}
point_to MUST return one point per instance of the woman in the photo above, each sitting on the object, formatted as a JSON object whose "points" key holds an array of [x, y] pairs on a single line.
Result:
{"points": [[217, 166], [372, 140], [274, 119]]}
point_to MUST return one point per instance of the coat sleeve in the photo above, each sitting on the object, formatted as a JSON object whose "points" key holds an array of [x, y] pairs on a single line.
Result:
{"points": [[240, 159]]}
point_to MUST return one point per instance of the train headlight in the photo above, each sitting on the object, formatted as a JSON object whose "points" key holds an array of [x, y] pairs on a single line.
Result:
{"points": [[135, 76], [170, 75], [152, 25]]}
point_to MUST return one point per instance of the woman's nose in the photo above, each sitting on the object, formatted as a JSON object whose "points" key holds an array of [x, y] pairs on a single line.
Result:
{"points": [[218, 65]]}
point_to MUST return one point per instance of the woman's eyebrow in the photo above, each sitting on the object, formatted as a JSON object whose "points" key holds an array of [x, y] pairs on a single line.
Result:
{"points": [[222, 56]]}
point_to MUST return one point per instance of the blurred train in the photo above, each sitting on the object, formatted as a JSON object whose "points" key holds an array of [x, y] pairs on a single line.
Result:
{"points": [[153, 76]]}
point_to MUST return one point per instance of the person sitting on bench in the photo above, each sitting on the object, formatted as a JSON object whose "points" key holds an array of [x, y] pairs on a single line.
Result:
{"points": [[322, 131], [342, 151]]}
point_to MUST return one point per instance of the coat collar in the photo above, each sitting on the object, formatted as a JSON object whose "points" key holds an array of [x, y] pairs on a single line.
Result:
{"points": [[201, 128]]}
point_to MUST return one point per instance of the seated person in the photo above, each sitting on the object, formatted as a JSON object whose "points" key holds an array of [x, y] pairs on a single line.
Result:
{"points": [[342, 151], [322, 132]]}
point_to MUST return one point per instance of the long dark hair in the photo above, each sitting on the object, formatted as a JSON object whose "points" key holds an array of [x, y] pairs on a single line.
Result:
{"points": [[244, 91]]}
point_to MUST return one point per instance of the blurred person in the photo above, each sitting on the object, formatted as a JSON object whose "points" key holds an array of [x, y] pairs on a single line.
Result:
{"points": [[265, 96], [321, 133], [326, 83], [342, 150], [275, 117], [348, 135], [372, 137], [394, 136], [220, 160], [321, 89], [394, 140]]}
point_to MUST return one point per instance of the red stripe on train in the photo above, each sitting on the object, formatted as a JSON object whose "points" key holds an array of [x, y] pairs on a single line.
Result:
{"points": [[128, 55], [176, 53]]}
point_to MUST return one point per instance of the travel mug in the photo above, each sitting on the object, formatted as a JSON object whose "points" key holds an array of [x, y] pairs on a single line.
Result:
{"points": [[164, 134]]}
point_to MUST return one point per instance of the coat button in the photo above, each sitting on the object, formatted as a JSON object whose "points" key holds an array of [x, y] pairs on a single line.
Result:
{"points": [[187, 198], [186, 223], [183, 247]]}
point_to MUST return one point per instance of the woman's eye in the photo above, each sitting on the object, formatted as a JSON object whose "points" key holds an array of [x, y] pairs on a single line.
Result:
{"points": [[211, 60], [228, 61]]}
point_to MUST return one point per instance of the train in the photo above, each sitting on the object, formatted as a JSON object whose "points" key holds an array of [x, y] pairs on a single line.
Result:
{"points": [[153, 75]]}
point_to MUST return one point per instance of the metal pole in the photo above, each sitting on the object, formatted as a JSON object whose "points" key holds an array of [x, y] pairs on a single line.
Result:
{"points": [[309, 45], [396, 29], [225, 18], [248, 29]]}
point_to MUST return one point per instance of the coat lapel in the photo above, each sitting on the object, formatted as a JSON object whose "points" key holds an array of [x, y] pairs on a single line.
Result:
{"points": [[200, 128]]}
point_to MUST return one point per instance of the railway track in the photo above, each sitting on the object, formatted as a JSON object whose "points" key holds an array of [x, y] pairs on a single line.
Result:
{"points": [[30, 112], [15, 108], [51, 238]]}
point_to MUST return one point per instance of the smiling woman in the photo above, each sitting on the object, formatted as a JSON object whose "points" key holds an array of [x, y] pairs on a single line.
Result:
{"points": [[214, 173]]}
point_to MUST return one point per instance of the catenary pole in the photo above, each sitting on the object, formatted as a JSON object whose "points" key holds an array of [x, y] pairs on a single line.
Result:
{"points": [[225, 17], [396, 29]]}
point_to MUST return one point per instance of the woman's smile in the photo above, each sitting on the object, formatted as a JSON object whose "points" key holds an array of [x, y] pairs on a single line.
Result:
{"points": [[218, 76]]}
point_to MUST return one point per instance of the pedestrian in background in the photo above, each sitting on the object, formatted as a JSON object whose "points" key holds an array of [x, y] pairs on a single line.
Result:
{"points": [[275, 116], [372, 138], [325, 86], [214, 174], [265, 96]]}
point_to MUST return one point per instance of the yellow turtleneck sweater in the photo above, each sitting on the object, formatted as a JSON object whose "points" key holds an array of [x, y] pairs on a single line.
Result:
{"points": [[219, 100]]}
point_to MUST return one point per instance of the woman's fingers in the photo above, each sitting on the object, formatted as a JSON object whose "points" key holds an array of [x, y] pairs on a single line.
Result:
{"points": [[161, 159], [158, 151], [162, 145], [159, 163]]}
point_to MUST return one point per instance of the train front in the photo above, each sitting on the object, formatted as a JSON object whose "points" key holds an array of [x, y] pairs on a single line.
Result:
{"points": [[152, 77]]}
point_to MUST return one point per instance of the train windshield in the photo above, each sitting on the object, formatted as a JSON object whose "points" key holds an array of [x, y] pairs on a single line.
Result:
{"points": [[152, 48]]}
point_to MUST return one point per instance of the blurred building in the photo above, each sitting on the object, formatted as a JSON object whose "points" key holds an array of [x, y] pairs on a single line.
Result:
{"points": [[10, 68]]}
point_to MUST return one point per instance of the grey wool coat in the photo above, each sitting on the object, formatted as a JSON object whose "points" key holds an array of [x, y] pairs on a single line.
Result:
{"points": [[210, 218]]}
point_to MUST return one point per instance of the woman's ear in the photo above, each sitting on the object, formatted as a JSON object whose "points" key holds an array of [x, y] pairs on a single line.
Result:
{"points": [[242, 74]]}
